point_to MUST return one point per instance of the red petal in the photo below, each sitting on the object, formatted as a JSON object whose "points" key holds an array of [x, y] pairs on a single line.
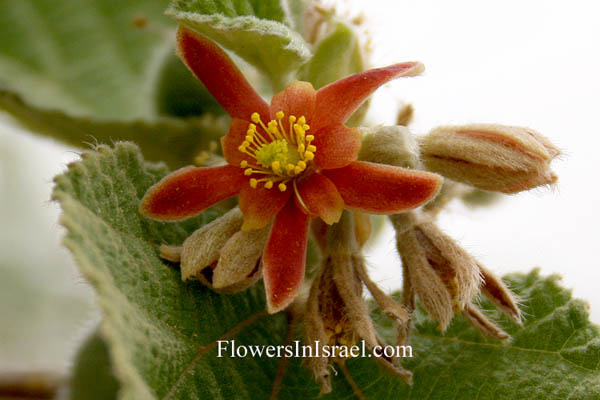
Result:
{"points": [[260, 205], [383, 189], [219, 74], [337, 101], [297, 99], [234, 138], [337, 146], [284, 259], [190, 190], [318, 197]]}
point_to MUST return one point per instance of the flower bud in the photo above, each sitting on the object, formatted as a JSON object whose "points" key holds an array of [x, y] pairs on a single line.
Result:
{"points": [[494, 289], [336, 313], [442, 274], [499, 158], [391, 145], [239, 262], [405, 115], [203, 247]]}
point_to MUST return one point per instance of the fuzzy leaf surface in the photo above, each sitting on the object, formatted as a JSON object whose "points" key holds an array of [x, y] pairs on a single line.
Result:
{"points": [[161, 333], [84, 57], [262, 32]]}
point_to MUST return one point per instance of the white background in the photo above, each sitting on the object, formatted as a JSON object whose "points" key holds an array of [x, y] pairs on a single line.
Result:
{"points": [[531, 63]]}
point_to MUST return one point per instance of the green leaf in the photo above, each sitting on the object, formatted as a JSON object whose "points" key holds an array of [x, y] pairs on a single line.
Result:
{"points": [[181, 94], [336, 56], [92, 377], [162, 333], [84, 57], [174, 141], [262, 32]]}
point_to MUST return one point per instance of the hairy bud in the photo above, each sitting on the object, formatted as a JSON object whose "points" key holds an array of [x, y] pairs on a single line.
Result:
{"points": [[499, 158], [442, 274], [203, 247], [391, 145], [239, 264]]}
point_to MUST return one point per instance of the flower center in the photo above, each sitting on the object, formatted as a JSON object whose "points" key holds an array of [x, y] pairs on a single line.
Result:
{"points": [[279, 155]]}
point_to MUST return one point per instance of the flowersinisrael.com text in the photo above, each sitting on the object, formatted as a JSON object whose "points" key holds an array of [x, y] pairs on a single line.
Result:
{"points": [[228, 348]]}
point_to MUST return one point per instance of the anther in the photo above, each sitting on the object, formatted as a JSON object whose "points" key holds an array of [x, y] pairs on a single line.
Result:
{"points": [[282, 187], [244, 164], [269, 184], [255, 117], [248, 171], [279, 115], [253, 183], [311, 148], [309, 156], [275, 165]]}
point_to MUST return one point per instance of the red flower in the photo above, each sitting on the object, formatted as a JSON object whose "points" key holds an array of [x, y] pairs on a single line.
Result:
{"points": [[292, 160]]}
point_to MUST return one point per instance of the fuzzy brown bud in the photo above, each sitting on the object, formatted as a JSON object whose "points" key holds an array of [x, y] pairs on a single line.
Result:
{"points": [[203, 247], [391, 145], [492, 157], [336, 313], [442, 274], [494, 289], [239, 265]]}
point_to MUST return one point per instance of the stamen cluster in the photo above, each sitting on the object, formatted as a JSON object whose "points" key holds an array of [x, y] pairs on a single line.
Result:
{"points": [[280, 155]]}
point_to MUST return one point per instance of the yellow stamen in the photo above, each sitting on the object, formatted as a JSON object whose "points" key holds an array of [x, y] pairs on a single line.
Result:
{"points": [[276, 166], [338, 329], [281, 155]]}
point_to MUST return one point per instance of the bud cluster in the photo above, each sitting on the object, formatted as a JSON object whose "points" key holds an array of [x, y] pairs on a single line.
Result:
{"points": [[336, 313], [220, 254]]}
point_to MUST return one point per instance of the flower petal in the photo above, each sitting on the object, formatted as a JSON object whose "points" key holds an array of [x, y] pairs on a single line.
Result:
{"points": [[260, 205], [234, 138], [337, 101], [318, 197], [383, 189], [284, 259], [337, 146], [297, 99], [189, 191], [219, 74]]}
